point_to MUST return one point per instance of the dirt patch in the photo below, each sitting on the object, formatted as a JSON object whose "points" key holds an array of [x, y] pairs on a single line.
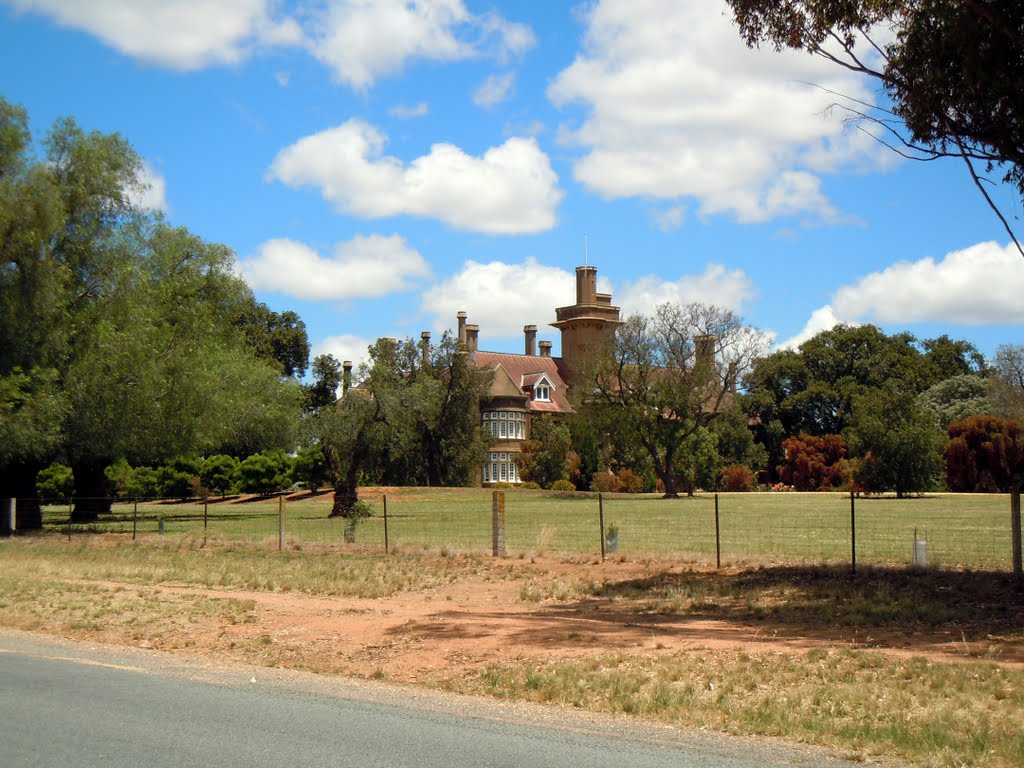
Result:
{"points": [[546, 609]]}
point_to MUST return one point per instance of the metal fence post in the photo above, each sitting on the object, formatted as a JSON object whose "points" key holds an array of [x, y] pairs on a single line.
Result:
{"points": [[386, 550], [600, 517], [135, 518]]}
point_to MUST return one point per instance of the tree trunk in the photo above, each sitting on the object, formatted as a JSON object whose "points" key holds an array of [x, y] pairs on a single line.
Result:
{"points": [[92, 495], [346, 482], [669, 481]]}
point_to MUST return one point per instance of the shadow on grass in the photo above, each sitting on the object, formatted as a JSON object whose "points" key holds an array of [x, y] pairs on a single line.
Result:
{"points": [[977, 603]]}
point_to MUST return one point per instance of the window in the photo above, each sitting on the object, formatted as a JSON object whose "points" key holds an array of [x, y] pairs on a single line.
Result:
{"points": [[542, 392], [502, 468], [504, 425]]}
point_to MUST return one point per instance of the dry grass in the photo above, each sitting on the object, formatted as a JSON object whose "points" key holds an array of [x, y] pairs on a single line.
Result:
{"points": [[314, 571], [865, 703]]}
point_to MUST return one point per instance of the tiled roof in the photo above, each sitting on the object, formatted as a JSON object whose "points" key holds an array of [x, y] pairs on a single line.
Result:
{"points": [[525, 370]]}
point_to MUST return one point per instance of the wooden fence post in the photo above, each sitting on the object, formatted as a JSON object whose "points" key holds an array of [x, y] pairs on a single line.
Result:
{"points": [[1015, 525], [853, 535], [280, 523], [498, 524], [600, 518], [718, 537], [387, 550]]}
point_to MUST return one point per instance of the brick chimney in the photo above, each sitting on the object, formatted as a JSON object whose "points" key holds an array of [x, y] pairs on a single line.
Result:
{"points": [[346, 376], [472, 338], [461, 316], [545, 349], [530, 332], [425, 347]]}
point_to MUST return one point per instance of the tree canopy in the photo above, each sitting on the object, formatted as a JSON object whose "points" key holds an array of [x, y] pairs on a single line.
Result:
{"points": [[411, 419], [952, 70], [666, 377], [119, 335]]}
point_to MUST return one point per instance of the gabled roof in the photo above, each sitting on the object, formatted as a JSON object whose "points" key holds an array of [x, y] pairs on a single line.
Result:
{"points": [[526, 370]]}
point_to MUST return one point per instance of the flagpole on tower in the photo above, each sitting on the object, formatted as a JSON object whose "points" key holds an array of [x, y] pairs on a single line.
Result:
{"points": [[586, 251]]}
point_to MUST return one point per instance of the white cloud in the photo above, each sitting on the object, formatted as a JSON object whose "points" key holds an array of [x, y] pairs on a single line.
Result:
{"points": [[510, 189], [344, 347], [979, 285], [670, 218], [822, 319], [501, 298], [676, 106], [716, 285], [363, 40], [364, 267], [151, 193], [494, 90], [174, 33], [409, 111]]}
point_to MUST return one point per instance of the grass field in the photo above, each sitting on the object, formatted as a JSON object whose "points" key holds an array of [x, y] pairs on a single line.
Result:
{"points": [[959, 530]]}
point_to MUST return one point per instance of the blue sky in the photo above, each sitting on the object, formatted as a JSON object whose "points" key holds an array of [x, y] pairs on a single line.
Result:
{"points": [[379, 165]]}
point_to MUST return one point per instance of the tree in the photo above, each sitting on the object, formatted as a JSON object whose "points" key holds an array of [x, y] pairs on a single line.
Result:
{"points": [[219, 473], [545, 456], [946, 358], [411, 419], [814, 463], [1008, 380], [952, 70], [323, 391], [957, 398], [117, 333], [55, 483], [179, 477], [699, 464], [897, 443], [277, 337], [265, 473], [812, 390], [665, 377], [985, 454], [310, 468]]}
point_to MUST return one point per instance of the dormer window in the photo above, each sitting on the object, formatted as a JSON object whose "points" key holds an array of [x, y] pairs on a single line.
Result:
{"points": [[542, 392]]}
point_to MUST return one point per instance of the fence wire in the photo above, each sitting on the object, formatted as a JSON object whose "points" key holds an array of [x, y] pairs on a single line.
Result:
{"points": [[946, 530]]}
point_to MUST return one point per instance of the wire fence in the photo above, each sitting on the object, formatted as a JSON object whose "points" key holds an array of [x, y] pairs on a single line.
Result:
{"points": [[937, 530]]}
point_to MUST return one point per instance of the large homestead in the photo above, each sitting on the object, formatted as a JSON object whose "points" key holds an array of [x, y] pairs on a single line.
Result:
{"points": [[535, 383]]}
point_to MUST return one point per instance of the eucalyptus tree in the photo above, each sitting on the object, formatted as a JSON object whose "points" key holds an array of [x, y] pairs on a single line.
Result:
{"points": [[665, 377], [118, 336]]}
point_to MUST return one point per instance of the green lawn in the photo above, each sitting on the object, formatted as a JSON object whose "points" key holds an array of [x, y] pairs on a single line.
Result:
{"points": [[965, 530]]}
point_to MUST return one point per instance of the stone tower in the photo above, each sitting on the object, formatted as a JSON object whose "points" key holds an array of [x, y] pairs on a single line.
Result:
{"points": [[588, 324]]}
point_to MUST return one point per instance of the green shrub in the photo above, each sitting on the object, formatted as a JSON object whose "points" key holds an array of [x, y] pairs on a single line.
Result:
{"points": [[310, 468], [265, 473], [530, 486], [220, 473], [55, 483], [562, 485]]}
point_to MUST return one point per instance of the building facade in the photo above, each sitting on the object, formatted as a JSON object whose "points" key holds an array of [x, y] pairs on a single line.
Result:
{"points": [[534, 383]]}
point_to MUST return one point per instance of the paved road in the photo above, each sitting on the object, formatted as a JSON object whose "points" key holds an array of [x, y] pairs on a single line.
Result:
{"points": [[84, 706]]}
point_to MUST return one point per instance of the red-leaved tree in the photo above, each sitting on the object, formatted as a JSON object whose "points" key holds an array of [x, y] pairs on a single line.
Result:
{"points": [[985, 454], [814, 463]]}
